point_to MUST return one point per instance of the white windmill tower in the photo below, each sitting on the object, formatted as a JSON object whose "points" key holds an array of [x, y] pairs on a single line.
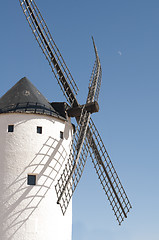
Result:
{"points": [[38, 145], [35, 143]]}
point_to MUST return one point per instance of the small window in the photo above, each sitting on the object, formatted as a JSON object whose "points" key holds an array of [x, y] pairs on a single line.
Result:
{"points": [[10, 128], [31, 179], [39, 130], [61, 135]]}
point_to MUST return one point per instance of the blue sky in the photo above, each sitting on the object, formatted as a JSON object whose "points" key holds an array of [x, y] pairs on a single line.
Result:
{"points": [[127, 37]]}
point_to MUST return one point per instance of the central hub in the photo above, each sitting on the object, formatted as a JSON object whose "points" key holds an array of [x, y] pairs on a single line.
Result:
{"points": [[76, 111]]}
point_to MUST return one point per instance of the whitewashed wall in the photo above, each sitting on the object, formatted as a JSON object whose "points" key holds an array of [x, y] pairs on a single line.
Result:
{"points": [[31, 212]]}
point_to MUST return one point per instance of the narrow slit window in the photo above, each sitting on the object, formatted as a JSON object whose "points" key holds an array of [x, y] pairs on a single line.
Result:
{"points": [[61, 134], [10, 128], [39, 130], [32, 178]]}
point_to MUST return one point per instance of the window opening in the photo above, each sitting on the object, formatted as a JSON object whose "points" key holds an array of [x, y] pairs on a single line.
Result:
{"points": [[39, 130], [61, 135], [32, 178], [10, 128]]}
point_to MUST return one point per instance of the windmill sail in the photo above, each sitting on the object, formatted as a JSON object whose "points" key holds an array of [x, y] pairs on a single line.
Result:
{"points": [[107, 175], [87, 138], [96, 78], [72, 173], [73, 170], [49, 48]]}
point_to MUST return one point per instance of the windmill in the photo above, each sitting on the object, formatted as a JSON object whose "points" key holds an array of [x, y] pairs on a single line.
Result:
{"points": [[86, 140]]}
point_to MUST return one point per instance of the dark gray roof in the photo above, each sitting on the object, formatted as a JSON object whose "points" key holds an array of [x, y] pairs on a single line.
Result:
{"points": [[24, 97]]}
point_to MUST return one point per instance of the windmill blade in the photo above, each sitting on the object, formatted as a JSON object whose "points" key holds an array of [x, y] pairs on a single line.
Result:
{"points": [[49, 48], [96, 78], [95, 49], [72, 173], [107, 175], [100, 158]]}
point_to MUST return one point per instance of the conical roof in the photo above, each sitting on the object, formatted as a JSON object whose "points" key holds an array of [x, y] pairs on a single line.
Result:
{"points": [[24, 97]]}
